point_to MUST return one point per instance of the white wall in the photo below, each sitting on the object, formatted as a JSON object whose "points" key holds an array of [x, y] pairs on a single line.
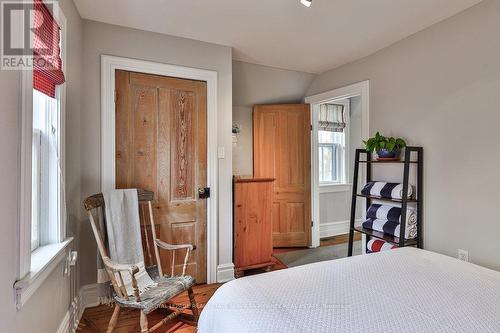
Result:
{"points": [[256, 84], [45, 310], [440, 89], [100, 38]]}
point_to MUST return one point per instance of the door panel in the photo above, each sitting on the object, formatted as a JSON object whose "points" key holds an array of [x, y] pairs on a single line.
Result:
{"points": [[161, 146], [282, 142]]}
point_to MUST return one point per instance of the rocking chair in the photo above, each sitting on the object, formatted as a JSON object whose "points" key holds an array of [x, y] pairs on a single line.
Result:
{"points": [[167, 286]]}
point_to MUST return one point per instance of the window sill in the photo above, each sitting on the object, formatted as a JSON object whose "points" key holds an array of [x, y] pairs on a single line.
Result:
{"points": [[332, 188], [43, 261]]}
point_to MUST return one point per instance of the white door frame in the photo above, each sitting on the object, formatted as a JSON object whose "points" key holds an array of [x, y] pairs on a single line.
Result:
{"points": [[357, 89], [109, 64]]}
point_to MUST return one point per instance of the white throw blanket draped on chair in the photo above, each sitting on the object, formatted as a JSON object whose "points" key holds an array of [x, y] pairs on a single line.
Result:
{"points": [[124, 235]]}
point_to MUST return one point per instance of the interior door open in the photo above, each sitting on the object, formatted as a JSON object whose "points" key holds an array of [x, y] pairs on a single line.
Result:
{"points": [[161, 145], [282, 150]]}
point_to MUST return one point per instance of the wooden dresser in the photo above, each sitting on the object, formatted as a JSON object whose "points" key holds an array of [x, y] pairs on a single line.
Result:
{"points": [[253, 234]]}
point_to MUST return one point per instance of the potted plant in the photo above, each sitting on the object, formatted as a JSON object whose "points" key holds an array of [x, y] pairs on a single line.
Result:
{"points": [[386, 148]]}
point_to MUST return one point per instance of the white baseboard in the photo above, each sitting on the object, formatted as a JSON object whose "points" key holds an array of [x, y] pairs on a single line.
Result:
{"points": [[88, 296], [330, 229], [72, 317], [225, 272], [64, 326]]}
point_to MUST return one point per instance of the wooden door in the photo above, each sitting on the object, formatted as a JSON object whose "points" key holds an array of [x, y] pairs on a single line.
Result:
{"points": [[282, 150], [161, 146]]}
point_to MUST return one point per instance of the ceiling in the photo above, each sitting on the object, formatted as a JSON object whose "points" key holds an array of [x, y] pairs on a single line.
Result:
{"points": [[281, 33]]}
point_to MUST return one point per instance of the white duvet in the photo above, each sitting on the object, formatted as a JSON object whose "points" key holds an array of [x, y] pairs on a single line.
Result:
{"points": [[403, 290]]}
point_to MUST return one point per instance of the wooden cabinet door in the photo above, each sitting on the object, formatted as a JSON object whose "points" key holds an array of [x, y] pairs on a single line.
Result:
{"points": [[161, 146], [282, 150]]}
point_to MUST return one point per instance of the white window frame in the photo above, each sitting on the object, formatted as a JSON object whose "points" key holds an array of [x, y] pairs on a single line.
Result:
{"points": [[37, 138], [335, 149], [342, 182], [35, 266]]}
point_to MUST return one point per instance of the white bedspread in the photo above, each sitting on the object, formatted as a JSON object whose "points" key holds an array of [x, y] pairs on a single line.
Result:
{"points": [[403, 290]]}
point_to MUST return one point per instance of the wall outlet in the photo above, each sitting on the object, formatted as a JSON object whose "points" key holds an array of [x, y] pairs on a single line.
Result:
{"points": [[463, 255]]}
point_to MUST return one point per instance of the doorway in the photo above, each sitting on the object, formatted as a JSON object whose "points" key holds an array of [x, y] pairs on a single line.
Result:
{"points": [[161, 145], [332, 189], [109, 65]]}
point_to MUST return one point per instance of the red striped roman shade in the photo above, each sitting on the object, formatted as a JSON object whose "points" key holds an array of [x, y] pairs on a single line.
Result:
{"points": [[47, 63]]}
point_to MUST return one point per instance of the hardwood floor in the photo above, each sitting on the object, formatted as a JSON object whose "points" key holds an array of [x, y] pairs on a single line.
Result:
{"points": [[334, 240], [95, 320]]}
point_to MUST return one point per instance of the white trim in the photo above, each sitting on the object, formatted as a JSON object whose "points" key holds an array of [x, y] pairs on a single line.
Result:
{"points": [[357, 89], [225, 272], [25, 182], [330, 229], [108, 66], [44, 260], [61, 154], [64, 326], [88, 296]]}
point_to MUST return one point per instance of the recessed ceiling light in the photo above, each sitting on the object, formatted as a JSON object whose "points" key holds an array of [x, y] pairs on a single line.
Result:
{"points": [[306, 3]]}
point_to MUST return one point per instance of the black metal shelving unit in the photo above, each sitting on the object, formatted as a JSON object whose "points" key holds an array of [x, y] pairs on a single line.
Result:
{"points": [[418, 200]]}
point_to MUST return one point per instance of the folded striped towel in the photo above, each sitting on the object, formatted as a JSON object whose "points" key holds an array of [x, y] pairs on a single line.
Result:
{"points": [[378, 245], [390, 227], [386, 190], [391, 213]]}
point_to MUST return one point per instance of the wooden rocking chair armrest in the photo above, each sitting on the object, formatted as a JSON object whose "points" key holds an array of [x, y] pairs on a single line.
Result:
{"points": [[132, 269], [173, 248], [167, 246]]}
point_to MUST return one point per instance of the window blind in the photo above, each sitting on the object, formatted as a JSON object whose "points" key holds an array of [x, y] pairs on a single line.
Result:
{"points": [[331, 117], [47, 63]]}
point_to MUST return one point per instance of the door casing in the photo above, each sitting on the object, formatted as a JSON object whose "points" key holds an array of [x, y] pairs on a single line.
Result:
{"points": [[109, 64], [356, 89]]}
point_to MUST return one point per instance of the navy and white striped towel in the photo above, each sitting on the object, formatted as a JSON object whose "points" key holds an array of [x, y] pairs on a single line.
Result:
{"points": [[386, 190], [390, 227], [378, 245], [391, 213]]}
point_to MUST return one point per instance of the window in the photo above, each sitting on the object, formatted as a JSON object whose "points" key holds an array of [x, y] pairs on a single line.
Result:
{"points": [[42, 238], [331, 157], [48, 77], [46, 177]]}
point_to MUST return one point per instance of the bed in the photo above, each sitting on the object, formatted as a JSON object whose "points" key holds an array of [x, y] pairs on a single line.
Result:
{"points": [[402, 290]]}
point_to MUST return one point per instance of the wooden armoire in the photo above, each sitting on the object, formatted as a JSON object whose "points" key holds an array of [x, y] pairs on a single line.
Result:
{"points": [[253, 242]]}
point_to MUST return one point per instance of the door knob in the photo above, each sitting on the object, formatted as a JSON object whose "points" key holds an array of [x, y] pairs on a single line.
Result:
{"points": [[204, 192]]}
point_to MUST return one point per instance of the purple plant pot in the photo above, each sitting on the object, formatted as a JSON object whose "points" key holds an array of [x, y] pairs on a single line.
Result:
{"points": [[385, 153]]}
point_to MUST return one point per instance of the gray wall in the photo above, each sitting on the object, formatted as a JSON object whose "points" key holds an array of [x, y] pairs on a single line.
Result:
{"points": [[45, 310], [100, 38], [440, 89], [256, 84]]}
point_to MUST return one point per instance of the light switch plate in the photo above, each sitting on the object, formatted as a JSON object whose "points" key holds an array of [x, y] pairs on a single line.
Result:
{"points": [[221, 153]]}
